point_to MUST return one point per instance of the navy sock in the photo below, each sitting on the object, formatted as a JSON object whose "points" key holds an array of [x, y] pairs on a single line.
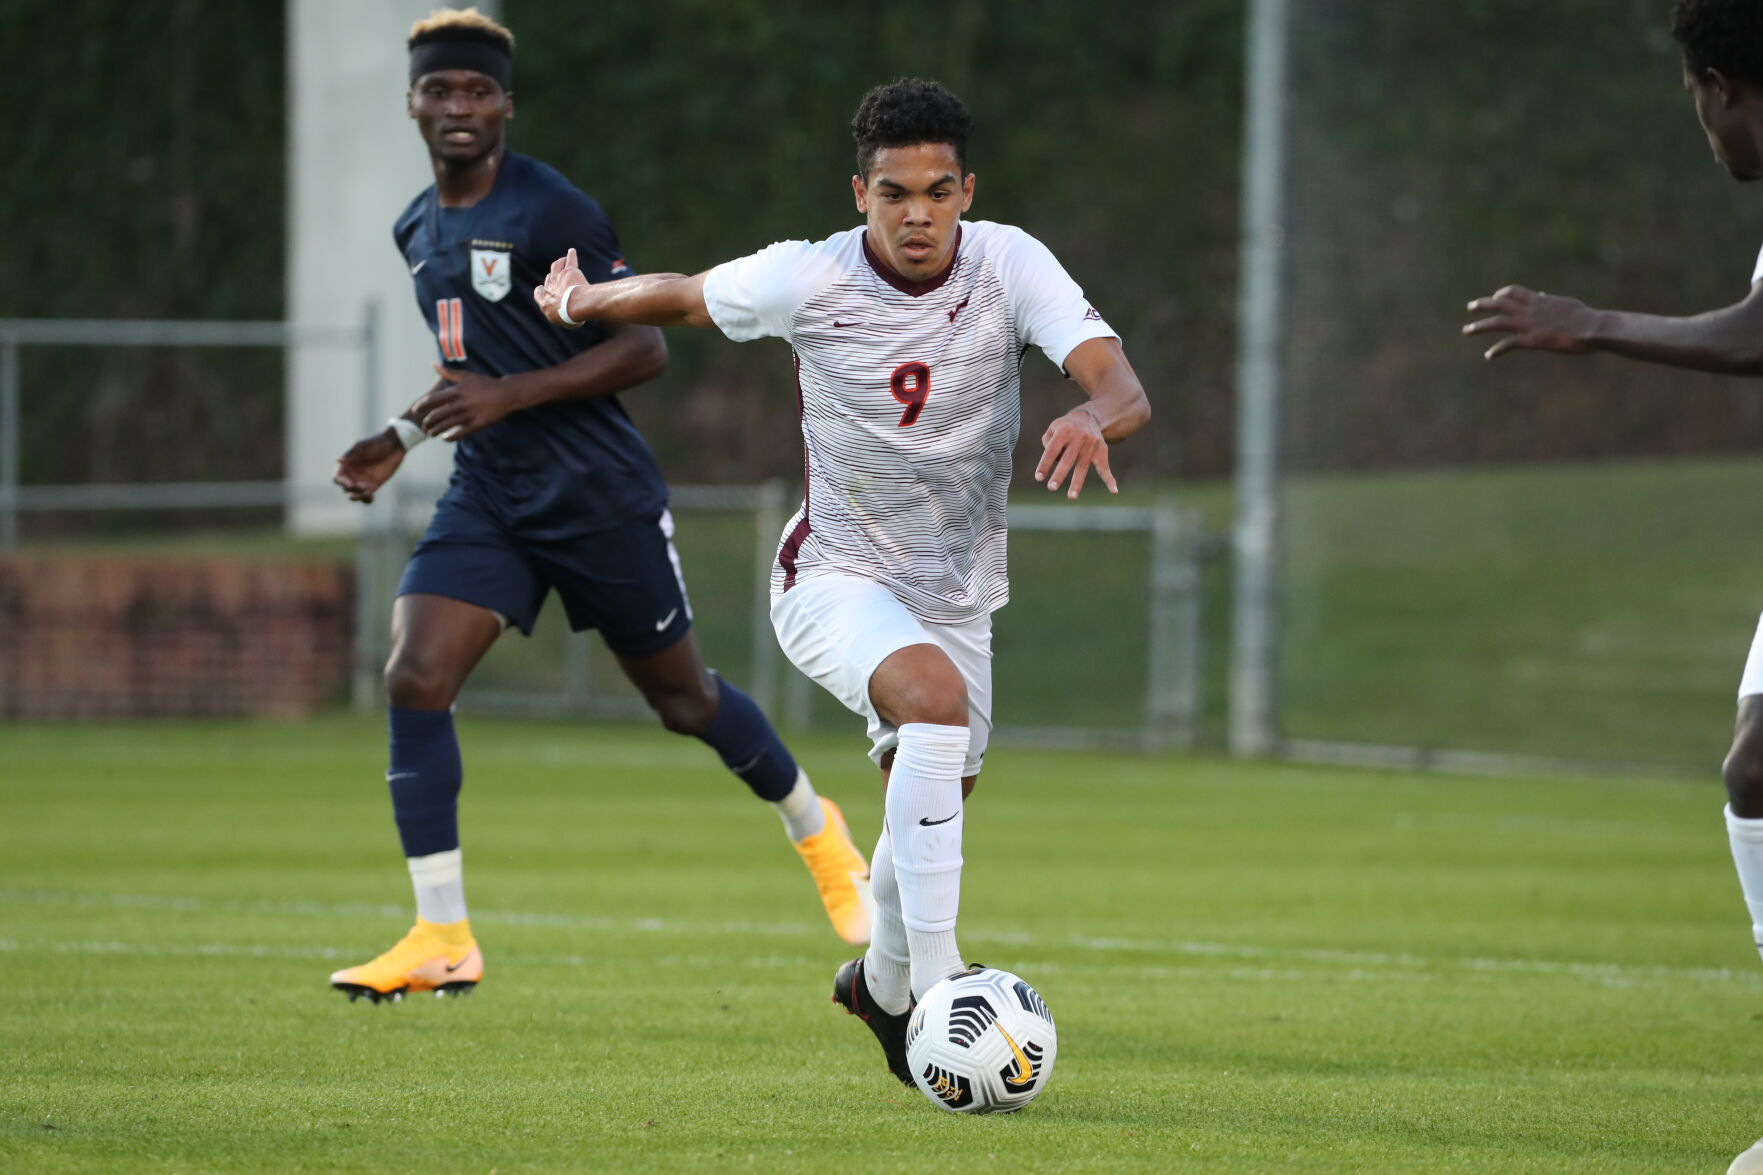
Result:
{"points": [[749, 747], [424, 777]]}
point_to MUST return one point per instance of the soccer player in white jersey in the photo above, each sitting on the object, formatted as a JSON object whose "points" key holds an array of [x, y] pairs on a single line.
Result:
{"points": [[1722, 43], [909, 333]]}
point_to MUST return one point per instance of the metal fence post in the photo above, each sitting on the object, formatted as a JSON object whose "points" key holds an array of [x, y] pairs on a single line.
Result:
{"points": [[768, 521], [370, 541], [9, 444], [1254, 698], [798, 690], [1171, 685], [578, 673]]}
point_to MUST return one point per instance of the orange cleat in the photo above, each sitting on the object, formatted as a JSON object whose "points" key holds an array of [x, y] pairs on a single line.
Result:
{"points": [[438, 957], [840, 874]]}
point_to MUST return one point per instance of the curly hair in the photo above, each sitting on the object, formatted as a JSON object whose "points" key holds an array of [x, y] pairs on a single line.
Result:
{"points": [[906, 112], [1724, 35], [461, 24]]}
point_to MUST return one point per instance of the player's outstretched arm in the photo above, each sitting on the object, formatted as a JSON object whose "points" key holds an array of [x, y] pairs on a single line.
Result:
{"points": [[1727, 340], [1117, 408], [652, 299], [464, 402]]}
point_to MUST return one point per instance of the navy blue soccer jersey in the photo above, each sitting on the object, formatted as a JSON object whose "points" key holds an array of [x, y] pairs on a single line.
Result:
{"points": [[566, 468]]}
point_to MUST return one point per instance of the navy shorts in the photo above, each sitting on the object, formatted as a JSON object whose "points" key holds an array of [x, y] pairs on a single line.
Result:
{"points": [[624, 581]]}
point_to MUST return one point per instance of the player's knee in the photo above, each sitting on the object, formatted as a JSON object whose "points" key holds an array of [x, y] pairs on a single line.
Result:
{"points": [[413, 683], [1743, 769], [941, 702], [686, 712]]}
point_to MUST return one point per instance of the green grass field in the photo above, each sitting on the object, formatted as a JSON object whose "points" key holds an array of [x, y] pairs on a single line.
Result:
{"points": [[1254, 968]]}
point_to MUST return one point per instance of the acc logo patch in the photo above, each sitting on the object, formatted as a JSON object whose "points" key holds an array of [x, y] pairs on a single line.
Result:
{"points": [[490, 273]]}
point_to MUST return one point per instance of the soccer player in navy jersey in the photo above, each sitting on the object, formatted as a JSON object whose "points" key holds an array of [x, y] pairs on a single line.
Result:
{"points": [[1722, 44], [553, 489]]}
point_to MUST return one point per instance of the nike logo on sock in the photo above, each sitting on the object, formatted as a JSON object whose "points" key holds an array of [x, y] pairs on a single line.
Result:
{"points": [[944, 820], [666, 620]]}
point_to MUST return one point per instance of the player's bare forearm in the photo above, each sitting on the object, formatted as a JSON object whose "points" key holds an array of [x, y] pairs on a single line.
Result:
{"points": [[568, 299], [629, 355], [1728, 340], [1117, 407], [1117, 400], [465, 402]]}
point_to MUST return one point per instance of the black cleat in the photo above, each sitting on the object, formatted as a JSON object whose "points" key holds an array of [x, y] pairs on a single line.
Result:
{"points": [[851, 992]]}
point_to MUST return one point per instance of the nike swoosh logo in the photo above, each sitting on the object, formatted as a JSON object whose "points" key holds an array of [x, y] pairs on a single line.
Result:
{"points": [[666, 620], [944, 820], [417, 268], [1027, 1068], [837, 323], [461, 963]]}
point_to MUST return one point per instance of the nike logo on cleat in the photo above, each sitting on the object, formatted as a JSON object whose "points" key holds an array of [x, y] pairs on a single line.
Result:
{"points": [[456, 966], [666, 620], [927, 823]]}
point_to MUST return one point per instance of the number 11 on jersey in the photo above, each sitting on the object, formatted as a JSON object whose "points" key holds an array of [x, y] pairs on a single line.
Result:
{"points": [[910, 384], [450, 329]]}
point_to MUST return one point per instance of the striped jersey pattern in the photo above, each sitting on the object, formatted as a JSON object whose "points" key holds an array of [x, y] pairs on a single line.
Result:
{"points": [[910, 403]]}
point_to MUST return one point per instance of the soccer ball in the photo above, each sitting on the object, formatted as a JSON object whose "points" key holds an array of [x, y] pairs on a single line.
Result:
{"points": [[982, 1042]]}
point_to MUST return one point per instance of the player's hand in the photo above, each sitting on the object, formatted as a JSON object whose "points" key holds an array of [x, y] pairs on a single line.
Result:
{"points": [[1533, 319], [565, 275], [1071, 445], [461, 403], [367, 465]]}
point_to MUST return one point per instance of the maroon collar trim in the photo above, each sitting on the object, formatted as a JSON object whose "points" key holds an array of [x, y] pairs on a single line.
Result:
{"points": [[904, 284]]}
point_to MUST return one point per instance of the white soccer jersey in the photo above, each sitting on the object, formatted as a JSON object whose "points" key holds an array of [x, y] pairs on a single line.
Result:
{"points": [[910, 401]]}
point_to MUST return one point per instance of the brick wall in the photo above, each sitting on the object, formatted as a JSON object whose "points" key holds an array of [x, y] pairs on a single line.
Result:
{"points": [[101, 636]]}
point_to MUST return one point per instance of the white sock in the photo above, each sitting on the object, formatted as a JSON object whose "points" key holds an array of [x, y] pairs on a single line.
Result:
{"points": [[924, 819], [1746, 837], [801, 811], [887, 967], [439, 879]]}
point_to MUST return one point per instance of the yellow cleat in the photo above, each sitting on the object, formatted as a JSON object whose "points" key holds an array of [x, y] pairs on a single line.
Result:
{"points": [[840, 874], [438, 957]]}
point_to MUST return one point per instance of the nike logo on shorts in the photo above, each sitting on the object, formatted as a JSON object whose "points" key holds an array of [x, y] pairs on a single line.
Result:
{"points": [[417, 268], [666, 620], [927, 823]]}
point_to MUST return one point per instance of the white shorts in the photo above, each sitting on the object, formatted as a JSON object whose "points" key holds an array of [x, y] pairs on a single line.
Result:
{"points": [[838, 628], [1752, 681]]}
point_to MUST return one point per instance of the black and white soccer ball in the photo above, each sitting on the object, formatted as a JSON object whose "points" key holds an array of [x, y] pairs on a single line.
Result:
{"points": [[981, 1043]]}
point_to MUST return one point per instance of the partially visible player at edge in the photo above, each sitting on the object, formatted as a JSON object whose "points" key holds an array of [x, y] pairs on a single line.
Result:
{"points": [[553, 489], [908, 333], [1722, 43]]}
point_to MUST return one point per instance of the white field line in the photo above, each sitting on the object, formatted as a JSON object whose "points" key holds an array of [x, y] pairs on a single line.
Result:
{"points": [[1607, 974], [227, 950]]}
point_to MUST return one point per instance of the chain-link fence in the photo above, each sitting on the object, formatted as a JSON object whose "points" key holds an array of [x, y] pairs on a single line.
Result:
{"points": [[1101, 644], [183, 594], [1543, 556]]}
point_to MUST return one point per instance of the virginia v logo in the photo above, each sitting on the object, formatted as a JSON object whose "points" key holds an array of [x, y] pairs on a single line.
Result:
{"points": [[490, 275]]}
